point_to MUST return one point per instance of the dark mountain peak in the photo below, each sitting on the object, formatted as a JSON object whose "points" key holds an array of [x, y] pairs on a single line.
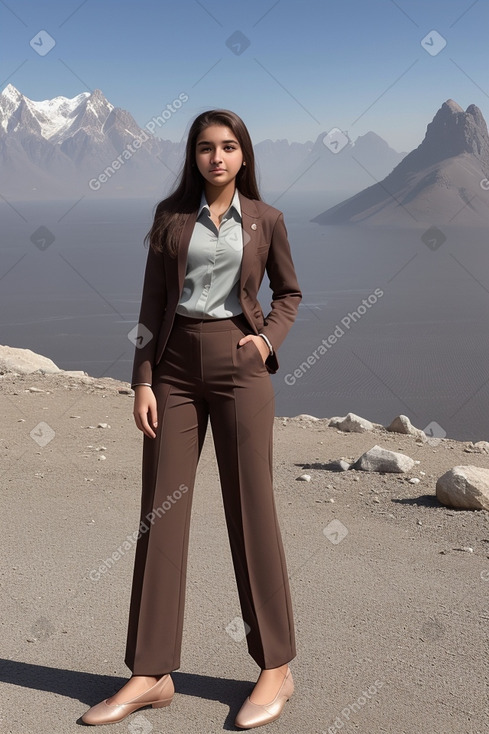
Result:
{"points": [[451, 107], [453, 132], [435, 182]]}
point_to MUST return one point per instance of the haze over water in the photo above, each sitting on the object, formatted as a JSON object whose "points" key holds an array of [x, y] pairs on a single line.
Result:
{"points": [[420, 348]]}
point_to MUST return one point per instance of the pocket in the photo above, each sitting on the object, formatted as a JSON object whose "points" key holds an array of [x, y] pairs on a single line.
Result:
{"points": [[249, 353], [255, 349]]}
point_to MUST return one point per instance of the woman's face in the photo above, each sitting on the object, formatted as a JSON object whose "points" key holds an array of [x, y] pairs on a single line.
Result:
{"points": [[218, 155]]}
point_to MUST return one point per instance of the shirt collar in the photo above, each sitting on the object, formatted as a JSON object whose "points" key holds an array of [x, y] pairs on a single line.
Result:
{"points": [[235, 204]]}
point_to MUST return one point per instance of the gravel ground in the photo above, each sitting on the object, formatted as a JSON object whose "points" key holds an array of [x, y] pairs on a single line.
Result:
{"points": [[390, 601]]}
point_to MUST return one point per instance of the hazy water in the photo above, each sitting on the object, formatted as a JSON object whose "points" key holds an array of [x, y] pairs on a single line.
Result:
{"points": [[421, 348]]}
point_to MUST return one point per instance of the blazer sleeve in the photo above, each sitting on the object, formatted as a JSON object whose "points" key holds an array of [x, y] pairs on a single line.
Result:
{"points": [[286, 294], [153, 304]]}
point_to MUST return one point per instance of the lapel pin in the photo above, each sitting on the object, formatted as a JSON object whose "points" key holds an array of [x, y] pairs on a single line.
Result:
{"points": [[253, 226]]}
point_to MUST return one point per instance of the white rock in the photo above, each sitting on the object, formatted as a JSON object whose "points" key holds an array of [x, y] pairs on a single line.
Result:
{"points": [[383, 460], [465, 487], [352, 423], [402, 424], [25, 361], [414, 480], [103, 425], [305, 417], [481, 447], [304, 478]]}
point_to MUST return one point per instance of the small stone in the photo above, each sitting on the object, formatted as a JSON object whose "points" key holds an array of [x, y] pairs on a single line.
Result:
{"points": [[352, 423], [103, 425], [304, 478], [378, 459], [402, 424], [340, 465], [102, 458], [465, 549], [414, 480], [35, 389]]}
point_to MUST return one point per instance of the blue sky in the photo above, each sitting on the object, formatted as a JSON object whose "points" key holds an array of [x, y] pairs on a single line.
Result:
{"points": [[310, 65]]}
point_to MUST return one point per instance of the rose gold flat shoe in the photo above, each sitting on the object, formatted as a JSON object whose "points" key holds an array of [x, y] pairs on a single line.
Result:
{"points": [[159, 695], [253, 714]]}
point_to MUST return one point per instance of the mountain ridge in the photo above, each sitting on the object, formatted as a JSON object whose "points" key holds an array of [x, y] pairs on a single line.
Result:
{"points": [[441, 180], [56, 147]]}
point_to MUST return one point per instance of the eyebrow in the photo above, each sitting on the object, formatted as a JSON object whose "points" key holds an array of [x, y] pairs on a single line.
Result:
{"points": [[208, 142]]}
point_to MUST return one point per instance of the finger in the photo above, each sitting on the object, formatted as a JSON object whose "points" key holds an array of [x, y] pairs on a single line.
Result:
{"points": [[153, 414], [142, 423], [148, 430]]}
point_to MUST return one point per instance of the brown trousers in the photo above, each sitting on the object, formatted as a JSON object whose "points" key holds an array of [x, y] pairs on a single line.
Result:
{"points": [[205, 373]]}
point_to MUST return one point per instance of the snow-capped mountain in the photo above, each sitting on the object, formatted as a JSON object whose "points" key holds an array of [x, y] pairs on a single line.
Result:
{"points": [[51, 118], [63, 147], [57, 147]]}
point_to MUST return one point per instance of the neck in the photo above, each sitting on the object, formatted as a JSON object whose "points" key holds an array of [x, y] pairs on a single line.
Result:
{"points": [[220, 196]]}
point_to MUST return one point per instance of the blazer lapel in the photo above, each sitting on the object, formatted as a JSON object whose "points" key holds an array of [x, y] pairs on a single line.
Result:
{"points": [[250, 224]]}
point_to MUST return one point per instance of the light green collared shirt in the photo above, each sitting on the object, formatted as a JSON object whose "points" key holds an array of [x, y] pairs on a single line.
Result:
{"points": [[211, 285]]}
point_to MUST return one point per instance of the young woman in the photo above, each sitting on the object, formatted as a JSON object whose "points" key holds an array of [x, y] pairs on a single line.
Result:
{"points": [[206, 350]]}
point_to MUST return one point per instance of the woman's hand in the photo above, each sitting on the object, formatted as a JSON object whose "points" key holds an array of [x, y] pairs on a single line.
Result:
{"points": [[260, 344], [144, 409]]}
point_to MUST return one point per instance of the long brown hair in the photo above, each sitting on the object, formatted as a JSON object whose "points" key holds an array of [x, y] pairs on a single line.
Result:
{"points": [[171, 213]]}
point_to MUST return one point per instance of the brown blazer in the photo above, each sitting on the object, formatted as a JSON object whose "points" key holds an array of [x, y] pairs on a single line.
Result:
{"points": [[265, 246]]}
